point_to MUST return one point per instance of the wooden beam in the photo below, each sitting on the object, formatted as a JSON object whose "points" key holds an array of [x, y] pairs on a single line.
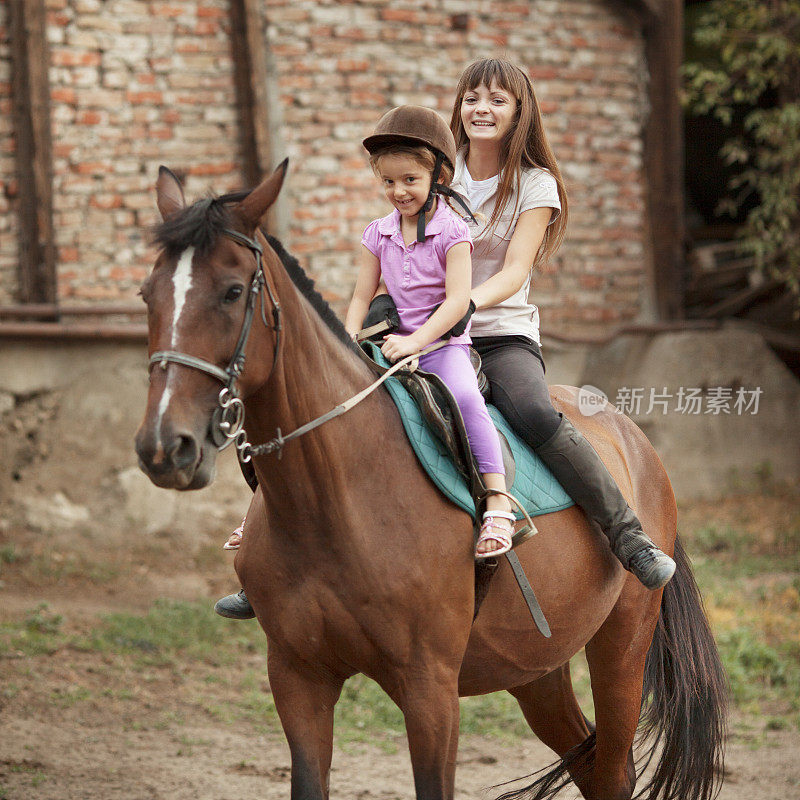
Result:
{"points": [[663, 143], [255, 77], [31, 91], [250, 69]]}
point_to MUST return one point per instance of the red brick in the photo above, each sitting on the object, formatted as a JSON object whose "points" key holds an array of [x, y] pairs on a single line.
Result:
{"points": [[91, 168], [352, 65], [105, 201], [205, 29], [63, 94], [66, 58], [163, 10], [213, 169], [210, 12], [88, 118], [145, 97], [399, 15]]}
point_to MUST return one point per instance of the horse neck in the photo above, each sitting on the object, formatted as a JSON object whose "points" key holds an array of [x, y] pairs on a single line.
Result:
{"points": [[314, 373]]}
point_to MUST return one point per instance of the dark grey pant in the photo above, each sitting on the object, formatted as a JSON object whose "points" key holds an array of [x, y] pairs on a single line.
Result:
{"points": [[514, 367]]}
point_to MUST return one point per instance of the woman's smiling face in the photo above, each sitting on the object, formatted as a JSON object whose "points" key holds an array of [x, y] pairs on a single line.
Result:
{"points": [[488, 112]]}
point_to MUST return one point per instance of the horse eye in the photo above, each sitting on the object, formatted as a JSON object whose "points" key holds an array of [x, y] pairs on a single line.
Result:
{"points": [[233, 294]]}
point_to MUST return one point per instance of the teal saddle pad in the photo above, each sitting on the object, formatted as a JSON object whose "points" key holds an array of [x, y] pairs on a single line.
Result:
{"points": [[534, 485]]}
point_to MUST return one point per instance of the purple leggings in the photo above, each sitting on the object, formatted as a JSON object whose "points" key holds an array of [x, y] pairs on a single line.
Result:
{"points": [[451, 363]]}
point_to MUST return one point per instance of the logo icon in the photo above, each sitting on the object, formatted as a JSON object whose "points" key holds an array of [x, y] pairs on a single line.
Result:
{"points": [[591, 400]]}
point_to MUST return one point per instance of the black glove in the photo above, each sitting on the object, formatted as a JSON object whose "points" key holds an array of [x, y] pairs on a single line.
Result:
{"points": [[382, 309], [461, 325]]}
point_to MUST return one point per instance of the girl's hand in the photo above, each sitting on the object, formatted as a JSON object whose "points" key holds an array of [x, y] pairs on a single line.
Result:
{"points": [[397, 347]]}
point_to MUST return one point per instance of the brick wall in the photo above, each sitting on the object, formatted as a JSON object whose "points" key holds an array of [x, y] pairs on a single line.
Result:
{"points": [[136, 83]]}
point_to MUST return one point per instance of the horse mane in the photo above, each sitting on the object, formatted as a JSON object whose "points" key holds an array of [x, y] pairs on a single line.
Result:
{"points": [[305, 286], [201, 224]]}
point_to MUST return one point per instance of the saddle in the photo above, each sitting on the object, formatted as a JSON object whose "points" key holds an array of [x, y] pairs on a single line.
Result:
{"points": [[435, 429]]}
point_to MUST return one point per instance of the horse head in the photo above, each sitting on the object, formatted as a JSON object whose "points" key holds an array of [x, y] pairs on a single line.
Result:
{"points": [[207, 317]]}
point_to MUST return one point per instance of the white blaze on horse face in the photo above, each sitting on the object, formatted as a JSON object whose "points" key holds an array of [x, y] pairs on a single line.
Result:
{"points": [[182, 282]]}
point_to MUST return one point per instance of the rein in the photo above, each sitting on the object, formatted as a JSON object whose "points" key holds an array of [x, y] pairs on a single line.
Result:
{"points": [[278, 442]]}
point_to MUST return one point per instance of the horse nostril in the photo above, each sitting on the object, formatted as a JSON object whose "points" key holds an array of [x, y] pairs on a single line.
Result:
{"points": [[184, 453]]}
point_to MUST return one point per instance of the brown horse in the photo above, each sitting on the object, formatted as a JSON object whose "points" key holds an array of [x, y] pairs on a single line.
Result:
{"points": [[354, 562]]}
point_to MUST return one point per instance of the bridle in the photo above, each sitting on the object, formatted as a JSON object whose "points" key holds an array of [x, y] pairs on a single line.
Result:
{"points": [[227, 421]]}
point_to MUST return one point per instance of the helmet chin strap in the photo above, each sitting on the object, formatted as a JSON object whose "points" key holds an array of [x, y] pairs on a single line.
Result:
{"points": [[438, 188]]}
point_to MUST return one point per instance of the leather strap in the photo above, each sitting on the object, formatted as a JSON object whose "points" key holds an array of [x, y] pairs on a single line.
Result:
{"points": [[164, 357], [528, 594], [279, 441], [378, 327]]}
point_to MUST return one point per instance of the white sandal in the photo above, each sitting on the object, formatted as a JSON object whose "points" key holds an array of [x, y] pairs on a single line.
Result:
{"points": [[492, 531], [235, 539]]}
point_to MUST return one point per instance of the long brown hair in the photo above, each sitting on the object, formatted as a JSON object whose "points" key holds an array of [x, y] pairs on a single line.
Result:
{"points": [[524, 146]]}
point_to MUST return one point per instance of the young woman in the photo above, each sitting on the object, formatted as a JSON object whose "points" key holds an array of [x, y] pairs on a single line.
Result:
{"points": [[511, 180]]}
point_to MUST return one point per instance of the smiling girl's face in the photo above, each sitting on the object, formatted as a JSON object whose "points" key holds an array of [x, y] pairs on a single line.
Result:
{"points": [[488, 112], [406, 182]]}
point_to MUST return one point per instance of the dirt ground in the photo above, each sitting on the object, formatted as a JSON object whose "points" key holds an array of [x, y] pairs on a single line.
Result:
{"points": [[146, 736]]}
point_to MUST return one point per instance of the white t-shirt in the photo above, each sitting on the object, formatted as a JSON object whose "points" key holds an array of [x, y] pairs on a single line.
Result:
{"points": [[478, 191], [537, 189]]}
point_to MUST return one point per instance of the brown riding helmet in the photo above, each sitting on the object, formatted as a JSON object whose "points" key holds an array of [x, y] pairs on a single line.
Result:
{"points": [[413, 125]]}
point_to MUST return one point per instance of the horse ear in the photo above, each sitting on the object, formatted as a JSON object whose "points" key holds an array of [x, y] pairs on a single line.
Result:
{"points": [[169, 194], [257, 203]]}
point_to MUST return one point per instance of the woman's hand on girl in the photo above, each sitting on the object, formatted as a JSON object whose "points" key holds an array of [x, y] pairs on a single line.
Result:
{"points": [[396, 347]]}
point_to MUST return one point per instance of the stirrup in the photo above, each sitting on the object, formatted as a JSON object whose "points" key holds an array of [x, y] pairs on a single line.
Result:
{"points": [[526, 531], [491, 531]]}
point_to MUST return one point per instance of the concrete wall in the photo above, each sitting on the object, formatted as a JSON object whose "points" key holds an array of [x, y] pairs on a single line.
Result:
{"points": [[68, 413]]}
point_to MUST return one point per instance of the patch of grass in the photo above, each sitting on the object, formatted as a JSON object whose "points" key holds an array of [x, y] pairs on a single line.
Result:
{"points": [[756, 670], [71, 696], [40, 620], [38, 633], [9, 691], [33, 769], [495, 715], [9, 554], [712, 539], [52, 567], [258, 706], [173, 631], [365, 713], [748, 575]]}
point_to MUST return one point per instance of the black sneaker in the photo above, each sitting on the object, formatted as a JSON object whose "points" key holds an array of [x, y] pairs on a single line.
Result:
{"points": [[652, 567], [235, 606]]}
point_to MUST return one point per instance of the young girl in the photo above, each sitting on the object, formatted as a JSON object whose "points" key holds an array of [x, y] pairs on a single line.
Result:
{"points": [[507, 171], [421, 251]]}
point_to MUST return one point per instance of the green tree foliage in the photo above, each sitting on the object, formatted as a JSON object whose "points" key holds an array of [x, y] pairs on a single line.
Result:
{"points": [[746, 55]]}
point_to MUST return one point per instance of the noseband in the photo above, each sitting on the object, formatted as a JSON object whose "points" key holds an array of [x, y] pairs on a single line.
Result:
{"points": [[227, 422]]}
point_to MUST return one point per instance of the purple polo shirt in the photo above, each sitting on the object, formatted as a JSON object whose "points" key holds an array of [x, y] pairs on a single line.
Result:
{"points": [[415, 274]]}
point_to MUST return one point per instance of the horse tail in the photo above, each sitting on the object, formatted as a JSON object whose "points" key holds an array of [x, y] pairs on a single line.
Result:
{"points": [[684, 707], [685, 695]]}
